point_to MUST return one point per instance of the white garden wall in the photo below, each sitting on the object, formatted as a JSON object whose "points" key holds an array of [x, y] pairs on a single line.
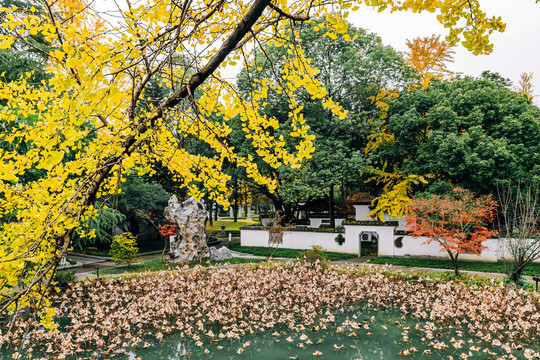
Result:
{"points": [[254, 237], [297, 240], [413, 247], [417, 247], [304, 240], [352, 234]]}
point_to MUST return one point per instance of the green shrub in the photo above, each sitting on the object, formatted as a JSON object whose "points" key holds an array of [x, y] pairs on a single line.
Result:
{"points": [[124, 248], [64, 278], [316, 253]]}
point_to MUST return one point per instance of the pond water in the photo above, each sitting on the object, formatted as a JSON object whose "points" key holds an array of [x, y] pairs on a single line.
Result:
{"points": [[387, 333]]}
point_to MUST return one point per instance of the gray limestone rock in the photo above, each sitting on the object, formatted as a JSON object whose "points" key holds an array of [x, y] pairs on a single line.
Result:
{"points": [[220, 254], [190, 242]]}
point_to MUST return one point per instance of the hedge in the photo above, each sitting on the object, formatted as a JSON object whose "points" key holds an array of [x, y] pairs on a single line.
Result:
{"points": [[293, 229], [370, 223]]}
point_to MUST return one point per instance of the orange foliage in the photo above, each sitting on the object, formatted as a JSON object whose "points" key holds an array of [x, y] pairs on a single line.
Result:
{"points": [[458, 223], [167, 230], [429, 56]]}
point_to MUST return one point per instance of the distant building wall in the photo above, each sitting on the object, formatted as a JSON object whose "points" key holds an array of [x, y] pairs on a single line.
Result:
{"points": [[363, 210], [417, 247], [317, 222]]}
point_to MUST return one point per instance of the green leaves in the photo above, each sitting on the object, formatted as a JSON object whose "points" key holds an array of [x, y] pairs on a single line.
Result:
{"points": [[468, 132], [355, 73]]}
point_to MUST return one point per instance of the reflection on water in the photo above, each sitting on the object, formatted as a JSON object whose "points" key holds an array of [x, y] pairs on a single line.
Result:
{"points": [[370, 335]]}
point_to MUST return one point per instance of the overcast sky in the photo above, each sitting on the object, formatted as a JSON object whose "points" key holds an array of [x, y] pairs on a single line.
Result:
{"points": [[515, 51]]}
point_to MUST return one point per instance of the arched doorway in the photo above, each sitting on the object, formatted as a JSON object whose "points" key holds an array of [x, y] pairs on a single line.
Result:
{"points": [[368, 243]]}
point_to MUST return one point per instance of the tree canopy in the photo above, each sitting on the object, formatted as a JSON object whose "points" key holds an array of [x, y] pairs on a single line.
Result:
{"points": [[85, 131], [469, 132]]}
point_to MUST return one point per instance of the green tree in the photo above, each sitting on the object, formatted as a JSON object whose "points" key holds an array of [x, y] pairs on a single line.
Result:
{"points": [[469, 132], [102, 226], [137, 194], [357, 74]]}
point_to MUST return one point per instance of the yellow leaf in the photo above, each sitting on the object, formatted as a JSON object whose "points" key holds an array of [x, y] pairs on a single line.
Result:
{"points": [[53, 158]]}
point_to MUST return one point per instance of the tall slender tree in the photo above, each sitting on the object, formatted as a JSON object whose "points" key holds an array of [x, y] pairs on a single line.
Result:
{"points": [[525, 85]]}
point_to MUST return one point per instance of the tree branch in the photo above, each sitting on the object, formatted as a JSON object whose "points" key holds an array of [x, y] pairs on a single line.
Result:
{"points": [[287, 15]]}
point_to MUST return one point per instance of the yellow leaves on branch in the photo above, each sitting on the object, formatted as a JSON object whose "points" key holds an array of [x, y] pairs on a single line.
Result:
{"points": [[397, 192], [466, 22]]}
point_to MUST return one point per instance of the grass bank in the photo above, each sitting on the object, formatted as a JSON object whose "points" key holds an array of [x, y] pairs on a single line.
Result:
{"points": [[158, 264], [493, 267]]}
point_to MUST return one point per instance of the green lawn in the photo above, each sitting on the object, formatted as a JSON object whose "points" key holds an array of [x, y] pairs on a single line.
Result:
{"points": [[229, 225], [494, 267], [156, 265], [285, 253]]}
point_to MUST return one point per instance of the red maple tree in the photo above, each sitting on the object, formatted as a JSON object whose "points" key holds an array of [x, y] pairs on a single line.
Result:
{"points": [[459, 222], [165, 230]]}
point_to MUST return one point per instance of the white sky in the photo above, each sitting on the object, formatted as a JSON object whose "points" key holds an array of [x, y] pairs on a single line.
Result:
{"points": [[515, 51]]}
